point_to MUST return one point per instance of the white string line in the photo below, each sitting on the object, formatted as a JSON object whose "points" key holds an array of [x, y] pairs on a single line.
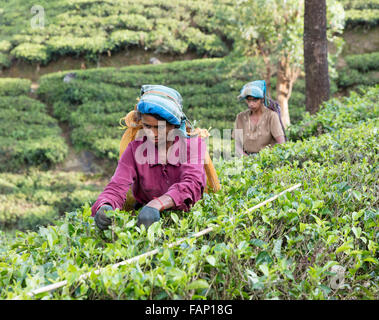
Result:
{"points": [[149, 253]]}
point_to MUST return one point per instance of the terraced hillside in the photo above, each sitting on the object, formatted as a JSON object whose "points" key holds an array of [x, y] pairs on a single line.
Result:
{"points": [[50, 29], [288, 249]]}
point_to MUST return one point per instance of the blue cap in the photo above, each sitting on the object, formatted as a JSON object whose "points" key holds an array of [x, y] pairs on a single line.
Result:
{"points": [[165, 102], [256, 89]]}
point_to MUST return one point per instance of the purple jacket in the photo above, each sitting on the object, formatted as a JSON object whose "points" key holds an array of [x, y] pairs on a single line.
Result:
{"points": [[183, 178]]}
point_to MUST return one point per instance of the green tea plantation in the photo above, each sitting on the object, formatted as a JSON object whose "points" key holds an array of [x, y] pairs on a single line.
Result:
{"points": [[284, 250], [296, 221]]}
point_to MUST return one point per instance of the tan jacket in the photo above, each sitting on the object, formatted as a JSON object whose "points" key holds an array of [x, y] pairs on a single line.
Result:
{"points": [[256, 137]]}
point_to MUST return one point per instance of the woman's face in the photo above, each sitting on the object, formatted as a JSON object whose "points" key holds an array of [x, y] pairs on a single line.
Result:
{"points": [[254, 104], [157, 129]]}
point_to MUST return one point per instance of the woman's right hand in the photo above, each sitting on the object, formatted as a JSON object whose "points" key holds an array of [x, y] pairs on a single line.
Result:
{"points": [[101, 219]]}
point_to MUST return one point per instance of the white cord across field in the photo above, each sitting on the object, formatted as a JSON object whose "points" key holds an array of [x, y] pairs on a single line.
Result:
{"points": [[60, 284]]}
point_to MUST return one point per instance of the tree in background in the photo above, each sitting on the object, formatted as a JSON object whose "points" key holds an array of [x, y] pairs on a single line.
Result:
{"points": [[317, 85], [273, 30]]}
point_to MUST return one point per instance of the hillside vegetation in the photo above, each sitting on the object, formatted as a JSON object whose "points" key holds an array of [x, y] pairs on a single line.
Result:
{"points": [[93, 27], [95, 100], [361, 13], [92, 105], [287, 249], [28, 135], [284, 250]]}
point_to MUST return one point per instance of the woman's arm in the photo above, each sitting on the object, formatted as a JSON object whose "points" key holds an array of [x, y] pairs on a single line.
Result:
{"points": [[280, 139], [162, 203], [237, 134], [276, 129]]}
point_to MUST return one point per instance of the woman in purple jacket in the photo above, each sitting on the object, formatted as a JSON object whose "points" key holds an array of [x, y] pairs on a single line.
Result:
{"points": [[164, 167]]}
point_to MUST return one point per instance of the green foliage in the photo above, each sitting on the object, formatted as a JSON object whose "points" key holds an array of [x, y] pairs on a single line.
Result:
{"points": [[14, 86], [95, 101], [28, 136], [5, 46], [361, 69], [284, 250], [361, 13], [351, 77], [39, 198], [127, 37], [338, 113], [5, 61], [363, 62], [31, 52], [360, 4], [366, 17], [279, 21], [204, 43], [90, 28]]}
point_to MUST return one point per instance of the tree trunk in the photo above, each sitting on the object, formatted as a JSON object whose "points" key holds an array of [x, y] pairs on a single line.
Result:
{"points": [[317, 86], [286, 76], [268, 78], [267, 63]]}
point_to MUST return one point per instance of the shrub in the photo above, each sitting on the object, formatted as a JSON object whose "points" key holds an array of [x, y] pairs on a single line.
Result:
{"points": [[39, 198], [351, 77], [33, 141], [5, 61], [14, 86], [92, 28], [360, 4], [365, 17], [5, 46], [284, 250], [336, 114], [363, 62], [127, 37], [31, 52]]}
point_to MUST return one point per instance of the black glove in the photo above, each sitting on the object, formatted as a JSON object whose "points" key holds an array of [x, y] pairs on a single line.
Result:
{"points": [[148, 216], [101, 219]]}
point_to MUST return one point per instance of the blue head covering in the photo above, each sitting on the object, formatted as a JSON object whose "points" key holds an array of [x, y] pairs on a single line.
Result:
{"points": [[256, 89], [165, 102]]}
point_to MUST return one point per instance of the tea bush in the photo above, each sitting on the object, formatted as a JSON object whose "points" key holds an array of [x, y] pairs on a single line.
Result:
{"points": [[90, 28], [284, 250], [365, 17], [39, 198], [338, 113], [5, 46], [363, 62], [31, 52], [28, 135], [361, 13], [360, 4], [350, 78], [14, 86], [5, 61], [361, 69]]}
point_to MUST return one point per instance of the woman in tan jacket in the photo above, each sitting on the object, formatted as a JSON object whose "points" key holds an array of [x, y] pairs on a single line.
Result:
{"points": [[259, 126]]}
